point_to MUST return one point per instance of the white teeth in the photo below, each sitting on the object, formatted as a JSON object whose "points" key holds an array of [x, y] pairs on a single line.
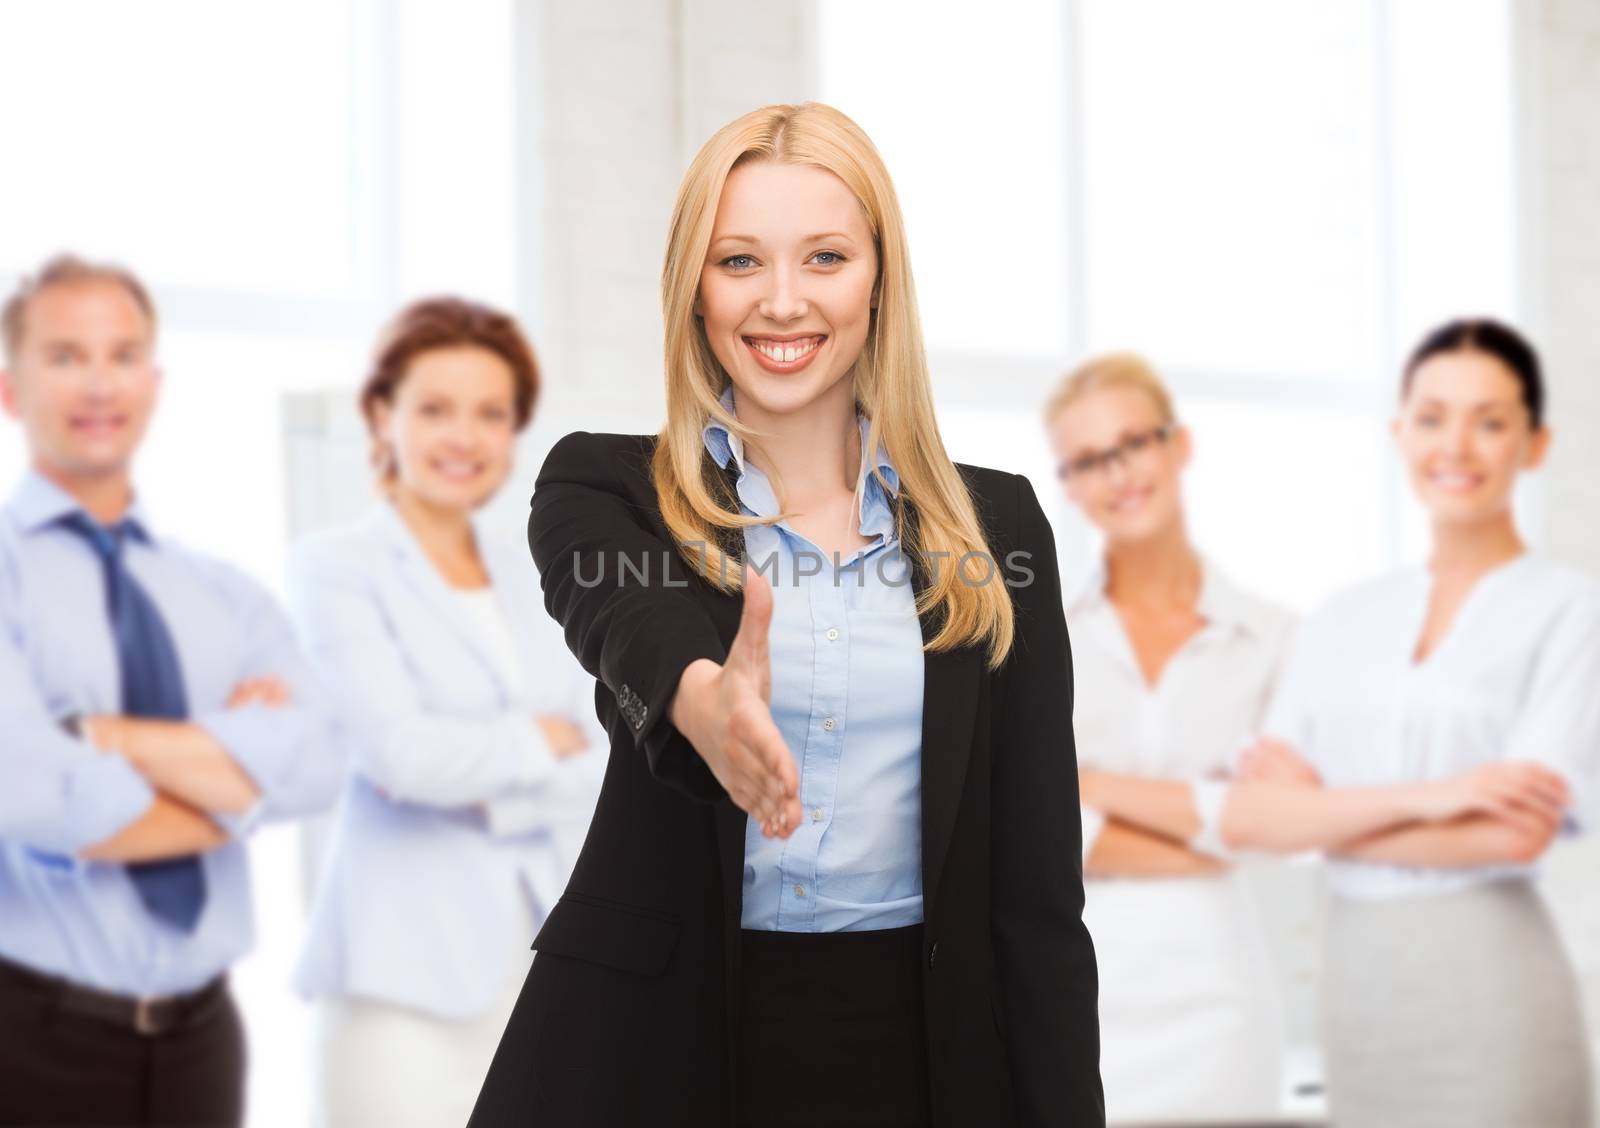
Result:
{"points": [[786, 352]]}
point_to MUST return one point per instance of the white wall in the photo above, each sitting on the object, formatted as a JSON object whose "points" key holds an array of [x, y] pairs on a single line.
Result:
{"points": [[1558, 63]]}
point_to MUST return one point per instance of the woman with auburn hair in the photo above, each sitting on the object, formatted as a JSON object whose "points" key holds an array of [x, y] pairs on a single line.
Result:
{"points": [[1174, 665], [475, 753], [834, 874]]}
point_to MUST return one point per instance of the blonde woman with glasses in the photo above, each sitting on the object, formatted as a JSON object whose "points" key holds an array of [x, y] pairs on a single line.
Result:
{"points": [[1173, 664], [834, 874]]}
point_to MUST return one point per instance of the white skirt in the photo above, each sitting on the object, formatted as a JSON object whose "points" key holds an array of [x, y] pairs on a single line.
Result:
{"points": [[1191, 1020], [380, 1065], [1457, 1009]]}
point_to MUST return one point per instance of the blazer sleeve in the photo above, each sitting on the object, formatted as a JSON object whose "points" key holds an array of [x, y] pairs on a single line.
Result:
{"points": [[1044, 958], [634, 627]]}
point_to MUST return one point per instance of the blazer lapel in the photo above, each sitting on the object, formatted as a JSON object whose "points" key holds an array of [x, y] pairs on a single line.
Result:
{"points": [[424, 579], [950, 685]]}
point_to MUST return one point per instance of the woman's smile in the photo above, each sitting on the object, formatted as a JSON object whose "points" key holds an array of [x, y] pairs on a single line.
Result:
{"points": [[788, 353]]}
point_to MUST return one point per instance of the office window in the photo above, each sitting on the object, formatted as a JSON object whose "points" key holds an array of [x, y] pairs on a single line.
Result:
{"points": [[1271, 199]]}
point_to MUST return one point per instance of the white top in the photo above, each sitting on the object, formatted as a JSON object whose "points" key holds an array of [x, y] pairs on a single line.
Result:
{"points": [[1517, 677], [1205, 706], [516, 813], [482, 607], [1190, 1016]]}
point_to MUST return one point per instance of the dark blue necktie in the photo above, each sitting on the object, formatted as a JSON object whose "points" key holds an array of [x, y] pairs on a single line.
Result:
{"points": [[173, 889]]}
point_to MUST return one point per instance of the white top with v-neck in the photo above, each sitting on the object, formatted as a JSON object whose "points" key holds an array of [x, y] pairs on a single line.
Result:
{"points": [[1515, 677]]}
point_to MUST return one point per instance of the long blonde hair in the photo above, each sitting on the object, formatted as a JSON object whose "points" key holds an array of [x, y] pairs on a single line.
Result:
{"points": [[892, 388]]}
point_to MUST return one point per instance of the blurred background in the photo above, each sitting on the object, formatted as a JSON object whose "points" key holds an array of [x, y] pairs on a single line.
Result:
{"points": [[1272, 199]]}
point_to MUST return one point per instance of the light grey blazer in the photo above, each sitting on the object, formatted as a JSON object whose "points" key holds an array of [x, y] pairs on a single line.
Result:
{"points": [[454, 804]]}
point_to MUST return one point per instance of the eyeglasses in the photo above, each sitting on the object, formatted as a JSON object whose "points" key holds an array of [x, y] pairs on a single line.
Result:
{"points": [[1094, 462]]}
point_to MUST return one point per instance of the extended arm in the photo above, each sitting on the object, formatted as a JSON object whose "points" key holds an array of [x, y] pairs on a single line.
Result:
{"points": [[636, 636]]}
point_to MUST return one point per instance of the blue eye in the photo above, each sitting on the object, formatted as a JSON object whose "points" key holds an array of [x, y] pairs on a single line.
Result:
{"points": [[834, 258], [738, 262]]}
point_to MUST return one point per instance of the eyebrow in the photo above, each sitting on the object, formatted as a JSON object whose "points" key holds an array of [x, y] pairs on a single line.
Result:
{"points": [[1481, 405], [817, 238]]}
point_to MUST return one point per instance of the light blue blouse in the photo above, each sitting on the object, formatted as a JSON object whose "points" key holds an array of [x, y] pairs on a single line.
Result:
{"points": [[846, 650]]}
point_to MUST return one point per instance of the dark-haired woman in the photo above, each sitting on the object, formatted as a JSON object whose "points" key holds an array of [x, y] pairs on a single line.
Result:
{"points": [[475, 748], [1448, 996]]}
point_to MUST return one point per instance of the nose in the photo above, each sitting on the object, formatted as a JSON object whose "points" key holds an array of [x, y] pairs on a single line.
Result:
{"points": [[99, 380], [784, 301], [1458, 439]]}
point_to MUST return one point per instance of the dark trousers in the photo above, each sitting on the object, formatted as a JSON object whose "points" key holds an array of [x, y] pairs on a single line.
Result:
{"points": [[831, 1030], [59, 1067]]}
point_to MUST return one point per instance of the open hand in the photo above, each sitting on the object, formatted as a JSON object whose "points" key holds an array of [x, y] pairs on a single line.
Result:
{"points": [[726, 713]]}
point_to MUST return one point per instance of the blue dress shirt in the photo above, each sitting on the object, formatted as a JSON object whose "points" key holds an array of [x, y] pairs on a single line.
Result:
{"points": [[847, 665], [84, 920]]}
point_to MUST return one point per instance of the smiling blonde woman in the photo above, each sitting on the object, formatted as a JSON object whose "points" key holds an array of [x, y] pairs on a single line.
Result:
{"points": [[834, 874], [1175, 664]]}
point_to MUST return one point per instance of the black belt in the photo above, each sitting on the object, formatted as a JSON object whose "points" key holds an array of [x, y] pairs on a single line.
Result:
{"points": [[150, 1015]]}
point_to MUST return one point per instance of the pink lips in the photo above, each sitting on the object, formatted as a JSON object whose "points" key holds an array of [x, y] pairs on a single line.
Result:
{"points": [[785, 354], [99, 425]]}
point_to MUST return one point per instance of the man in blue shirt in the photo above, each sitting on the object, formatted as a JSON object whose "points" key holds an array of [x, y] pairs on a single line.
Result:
{"points": [[153, 710]]}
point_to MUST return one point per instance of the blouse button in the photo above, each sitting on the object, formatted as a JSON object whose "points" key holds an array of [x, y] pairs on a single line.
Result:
{"points": [[833, 634], [816, 814], [799, 890], [828, 723]]}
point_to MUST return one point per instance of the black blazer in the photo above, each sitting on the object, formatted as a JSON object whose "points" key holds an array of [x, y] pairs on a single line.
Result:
{"points": [[628, 1016]]}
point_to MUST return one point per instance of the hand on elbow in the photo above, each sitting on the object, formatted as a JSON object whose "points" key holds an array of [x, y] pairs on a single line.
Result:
{"points": [[1272, 761], [564, 738], [1513, 790], [1529, 835], [267, 690]]}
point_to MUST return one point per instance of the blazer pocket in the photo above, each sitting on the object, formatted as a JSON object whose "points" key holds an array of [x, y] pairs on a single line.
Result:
{"points": [[608, 933]]}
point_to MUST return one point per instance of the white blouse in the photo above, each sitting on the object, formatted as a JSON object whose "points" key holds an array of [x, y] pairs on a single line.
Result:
{"points": [[1190, 1015], [1517, 677], [482, 607], [1204, 708]]}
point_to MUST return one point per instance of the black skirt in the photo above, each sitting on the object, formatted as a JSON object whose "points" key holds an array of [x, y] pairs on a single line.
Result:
{"points": [[831, 1030]]}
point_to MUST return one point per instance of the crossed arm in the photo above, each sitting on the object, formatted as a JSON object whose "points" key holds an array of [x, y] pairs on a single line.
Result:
{"points": [[1500, 813], [192, 774], [1148, 823]]}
